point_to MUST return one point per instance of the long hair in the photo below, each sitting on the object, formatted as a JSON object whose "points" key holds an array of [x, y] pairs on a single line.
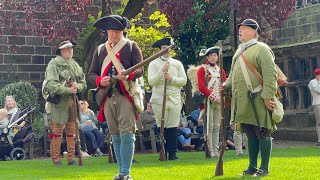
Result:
{"points": [[14, 100]]}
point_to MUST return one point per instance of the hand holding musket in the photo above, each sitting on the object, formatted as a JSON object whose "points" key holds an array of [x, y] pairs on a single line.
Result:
{"points": [[75, 114], [102, 92], [219, 167]]}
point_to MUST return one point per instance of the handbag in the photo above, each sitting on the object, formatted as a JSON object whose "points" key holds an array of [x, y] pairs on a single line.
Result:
{"points": [[54, 99], [278, 112]]}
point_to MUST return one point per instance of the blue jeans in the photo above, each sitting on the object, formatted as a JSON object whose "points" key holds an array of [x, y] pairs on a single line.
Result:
{"points": [[183, 140], [96, 138]]}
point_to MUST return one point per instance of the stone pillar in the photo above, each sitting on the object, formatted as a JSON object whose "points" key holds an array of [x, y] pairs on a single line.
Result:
{"points": [[290, 99], [301, 97], [286, 68]]}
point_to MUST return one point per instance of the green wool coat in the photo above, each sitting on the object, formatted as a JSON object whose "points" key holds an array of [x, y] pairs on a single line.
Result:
{"points": [[57, 73], [261, 56]]}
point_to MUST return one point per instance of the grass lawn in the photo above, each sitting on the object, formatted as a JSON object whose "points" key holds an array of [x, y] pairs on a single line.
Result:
{"points": [[286, 163]]}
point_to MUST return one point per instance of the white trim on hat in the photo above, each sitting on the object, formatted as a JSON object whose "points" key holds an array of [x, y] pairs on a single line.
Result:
{"points": [[203, 52], [67, 45]]}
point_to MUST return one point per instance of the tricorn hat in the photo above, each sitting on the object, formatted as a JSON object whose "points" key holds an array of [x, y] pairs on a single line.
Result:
{"points": [[112, 22], [65, 44], [205, 52], [251, 23], [165, 41]]}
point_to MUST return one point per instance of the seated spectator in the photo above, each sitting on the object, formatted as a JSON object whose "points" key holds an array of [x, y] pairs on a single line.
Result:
{"points": [[87, 124], [197, 120], [184, 135], [13, 113], [147, 119], [3, 119], [240, 140], [229, 137]]}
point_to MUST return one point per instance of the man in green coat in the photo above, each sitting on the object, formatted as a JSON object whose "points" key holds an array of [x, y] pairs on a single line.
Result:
{"points": [[65, 78], [260, 126]]}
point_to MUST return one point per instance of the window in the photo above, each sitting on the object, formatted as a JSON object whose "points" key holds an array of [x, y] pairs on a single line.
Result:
{"points": [[294, 98], [303, 70], [306, 97]]}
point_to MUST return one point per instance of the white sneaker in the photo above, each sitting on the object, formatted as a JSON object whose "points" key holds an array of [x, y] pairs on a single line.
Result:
{"points": [[85, 154]]}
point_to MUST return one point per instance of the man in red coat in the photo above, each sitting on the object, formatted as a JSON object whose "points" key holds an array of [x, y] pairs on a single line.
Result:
{"points": [[117, 106], [211, 90]]}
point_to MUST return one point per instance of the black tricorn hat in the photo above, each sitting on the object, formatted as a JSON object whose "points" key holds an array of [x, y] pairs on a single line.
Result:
{"points": [[112, 22], [65, 44], [205, 52], [251, 23], [161, 42]]}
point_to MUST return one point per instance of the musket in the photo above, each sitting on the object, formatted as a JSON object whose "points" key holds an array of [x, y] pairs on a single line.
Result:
{"points": [[109, 146], [205, 119], [75, 115], [219, 167], [128, 71], [164, 101]]}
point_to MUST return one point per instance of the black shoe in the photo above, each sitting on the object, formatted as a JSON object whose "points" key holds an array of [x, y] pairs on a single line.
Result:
{"points": [[73, 162], [261, 173], [173, 157], [250, 171], [58, 163]]}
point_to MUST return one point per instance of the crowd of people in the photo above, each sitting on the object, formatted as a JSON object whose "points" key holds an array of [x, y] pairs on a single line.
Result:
{"points": [[250, 112]]}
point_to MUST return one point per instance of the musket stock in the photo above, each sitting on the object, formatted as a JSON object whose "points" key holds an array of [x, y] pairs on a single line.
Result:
{"points": [[162, 151], [109, 146], [219, 167]]}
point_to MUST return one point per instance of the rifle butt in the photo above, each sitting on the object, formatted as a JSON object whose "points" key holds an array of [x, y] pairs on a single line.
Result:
{"points": [[162, 155], [110, 157], [219, 167], [207, 152]]}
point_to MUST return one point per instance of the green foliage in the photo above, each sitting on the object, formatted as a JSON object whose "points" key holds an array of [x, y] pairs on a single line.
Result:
{"points": [[24, 93], [145, 37], [26, 96], [80, 53], [121, 8], [201, 30]]}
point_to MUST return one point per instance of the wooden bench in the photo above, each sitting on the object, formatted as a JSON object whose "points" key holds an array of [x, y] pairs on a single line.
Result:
{"points": [[147, 135]]}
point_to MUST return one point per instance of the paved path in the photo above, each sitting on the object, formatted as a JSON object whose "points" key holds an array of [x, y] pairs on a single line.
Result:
{"points": [[285, 144]]}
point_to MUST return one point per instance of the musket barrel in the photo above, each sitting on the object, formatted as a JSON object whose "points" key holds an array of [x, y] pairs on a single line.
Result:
{"points": [[146, 61]]}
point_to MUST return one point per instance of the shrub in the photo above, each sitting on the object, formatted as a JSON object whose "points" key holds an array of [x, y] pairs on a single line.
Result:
{"points": [[26, 96]]}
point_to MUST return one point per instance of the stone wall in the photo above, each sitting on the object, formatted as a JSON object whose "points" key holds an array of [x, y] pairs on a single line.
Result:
{"points": [[303, 26], [296, 46]]}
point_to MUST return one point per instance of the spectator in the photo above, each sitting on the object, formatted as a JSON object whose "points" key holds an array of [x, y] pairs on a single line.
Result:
{"points": [[13, 113], [229, 137], [3, 119], [184, 135], [198, 121], [87, 124], [314, 87]]}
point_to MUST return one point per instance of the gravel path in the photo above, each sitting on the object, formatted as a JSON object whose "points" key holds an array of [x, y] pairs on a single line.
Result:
{"points": [[285, 144]]}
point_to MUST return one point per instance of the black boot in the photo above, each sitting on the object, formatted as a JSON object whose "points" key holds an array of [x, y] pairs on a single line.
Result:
{"points": [[172, 142]]}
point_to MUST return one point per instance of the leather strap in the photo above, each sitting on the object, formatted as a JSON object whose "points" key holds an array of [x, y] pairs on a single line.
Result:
{"points": [[253, 69]]}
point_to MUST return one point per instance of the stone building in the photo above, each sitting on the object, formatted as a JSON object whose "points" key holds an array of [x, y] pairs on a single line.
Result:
{"points": [[297, 49]]}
